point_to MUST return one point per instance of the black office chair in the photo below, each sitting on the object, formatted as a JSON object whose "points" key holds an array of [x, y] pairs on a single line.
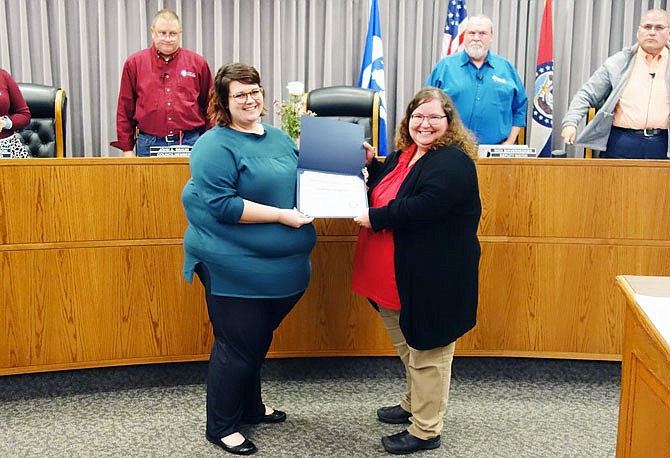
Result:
{"points": [[45, 135], [348, 103]]}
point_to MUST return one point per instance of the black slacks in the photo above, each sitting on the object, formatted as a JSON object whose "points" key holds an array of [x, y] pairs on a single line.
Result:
{"points": [[243, 331]]}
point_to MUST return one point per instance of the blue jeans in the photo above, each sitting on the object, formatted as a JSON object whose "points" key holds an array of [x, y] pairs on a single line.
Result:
{"points": [[146, 141]]}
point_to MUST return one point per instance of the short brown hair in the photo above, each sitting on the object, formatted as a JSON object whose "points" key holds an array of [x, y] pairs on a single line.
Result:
{"points": [[217, 108]]}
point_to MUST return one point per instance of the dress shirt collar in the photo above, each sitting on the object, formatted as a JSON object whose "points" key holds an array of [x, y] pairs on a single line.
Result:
{"points": [[465, 59], [163, 57], [657, 58]]}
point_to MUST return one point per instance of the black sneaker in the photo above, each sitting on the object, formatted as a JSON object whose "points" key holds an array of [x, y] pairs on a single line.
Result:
{"points": [[404, 443], [394, 415]]}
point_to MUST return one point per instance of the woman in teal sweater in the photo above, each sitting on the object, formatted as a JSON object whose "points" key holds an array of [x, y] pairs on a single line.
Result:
{"points": [[248, 244]]}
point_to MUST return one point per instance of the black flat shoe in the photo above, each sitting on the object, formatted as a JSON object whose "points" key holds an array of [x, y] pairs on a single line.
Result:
{"points": [[394, 415], [245, 448], [277, 416], [404, 443]]}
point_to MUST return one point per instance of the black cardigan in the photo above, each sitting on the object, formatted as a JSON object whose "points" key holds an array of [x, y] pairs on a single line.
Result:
{"points": [[434, 220]]}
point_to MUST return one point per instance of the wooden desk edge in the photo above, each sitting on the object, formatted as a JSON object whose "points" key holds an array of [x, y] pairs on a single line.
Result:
{"points": [[658, 340], [642, 343]]}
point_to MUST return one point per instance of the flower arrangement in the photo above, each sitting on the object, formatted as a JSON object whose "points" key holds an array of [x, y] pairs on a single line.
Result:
{"points": [[292, 109]]}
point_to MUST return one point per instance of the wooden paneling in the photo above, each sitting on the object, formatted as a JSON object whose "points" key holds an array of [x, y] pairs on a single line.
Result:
{"points": [[90, 258], [86, 305], [576, 199], [555, 234], [644, 409], [331, 320], [555, 298], [90, 200]]}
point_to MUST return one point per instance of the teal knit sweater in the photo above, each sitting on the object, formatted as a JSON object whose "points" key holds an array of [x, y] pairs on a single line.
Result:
{"points": [[265, 260]]}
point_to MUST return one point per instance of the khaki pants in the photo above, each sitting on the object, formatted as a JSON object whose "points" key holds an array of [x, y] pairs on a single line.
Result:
{"points": [[428, 374]]}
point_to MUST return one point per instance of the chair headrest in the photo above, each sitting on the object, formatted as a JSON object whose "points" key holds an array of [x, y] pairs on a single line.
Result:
{"points": [[341, 101], [40, 98]]}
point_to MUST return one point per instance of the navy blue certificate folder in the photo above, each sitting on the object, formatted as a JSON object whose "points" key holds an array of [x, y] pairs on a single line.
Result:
{"points": [[330, 178]]}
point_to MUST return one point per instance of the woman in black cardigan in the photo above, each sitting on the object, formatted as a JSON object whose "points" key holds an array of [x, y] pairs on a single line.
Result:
{"points": [[417, 258]]}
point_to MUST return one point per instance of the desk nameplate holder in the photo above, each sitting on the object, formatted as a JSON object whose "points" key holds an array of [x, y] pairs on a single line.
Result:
{"points": [[512, 151], [170, 151]]}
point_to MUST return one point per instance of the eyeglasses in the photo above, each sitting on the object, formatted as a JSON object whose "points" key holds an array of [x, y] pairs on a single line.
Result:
{"points": [[433, 120], [241, 97], [167, 35], [650, 27]]}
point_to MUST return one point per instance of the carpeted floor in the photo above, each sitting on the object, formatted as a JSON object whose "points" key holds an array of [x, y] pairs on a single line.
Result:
{"points": [[499, 407]]}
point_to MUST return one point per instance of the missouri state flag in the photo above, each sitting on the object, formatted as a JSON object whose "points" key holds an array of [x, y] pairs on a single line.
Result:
{"points": [[454, 27], [543, 101], [372, 70]]}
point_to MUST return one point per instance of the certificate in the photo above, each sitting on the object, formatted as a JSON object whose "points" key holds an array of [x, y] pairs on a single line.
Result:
{"points": [[331, 195], [330, 178]]}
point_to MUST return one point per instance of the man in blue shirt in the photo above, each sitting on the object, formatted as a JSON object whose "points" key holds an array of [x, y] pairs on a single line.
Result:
{"points": [[486, 89]]}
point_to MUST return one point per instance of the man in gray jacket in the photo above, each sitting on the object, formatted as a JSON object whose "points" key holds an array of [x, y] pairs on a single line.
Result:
{"points": [[633, 87]]}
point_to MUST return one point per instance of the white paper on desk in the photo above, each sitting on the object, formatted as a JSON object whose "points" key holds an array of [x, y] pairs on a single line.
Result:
{"points": [[331, 195], [658, 311]]}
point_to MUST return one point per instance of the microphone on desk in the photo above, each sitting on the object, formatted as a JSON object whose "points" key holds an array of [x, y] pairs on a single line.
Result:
{"points": [[653, 75]]}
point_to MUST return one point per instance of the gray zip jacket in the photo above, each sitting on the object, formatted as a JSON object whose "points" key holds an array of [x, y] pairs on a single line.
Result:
{"points": [[606, 84]]}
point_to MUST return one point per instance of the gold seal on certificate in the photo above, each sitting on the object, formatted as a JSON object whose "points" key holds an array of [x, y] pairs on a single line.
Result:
{"points": [[330, 178]]}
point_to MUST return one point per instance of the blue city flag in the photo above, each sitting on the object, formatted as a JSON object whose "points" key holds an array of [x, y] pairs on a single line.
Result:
{"points": [[372, 70]]}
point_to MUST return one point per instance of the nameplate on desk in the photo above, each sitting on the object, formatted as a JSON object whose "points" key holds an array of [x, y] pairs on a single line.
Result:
{"points": [[5, 155], [513, 151], [170, 151]]}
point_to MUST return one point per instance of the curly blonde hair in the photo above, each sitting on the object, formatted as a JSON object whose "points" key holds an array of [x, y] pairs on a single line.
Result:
{"points": [[456, 133]]}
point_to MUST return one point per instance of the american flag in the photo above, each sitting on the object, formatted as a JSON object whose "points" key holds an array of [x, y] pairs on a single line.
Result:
{"points": [[454, 27]]}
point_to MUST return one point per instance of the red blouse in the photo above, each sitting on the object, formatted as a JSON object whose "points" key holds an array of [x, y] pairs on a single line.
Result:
{"points": [[12, 104], [374, 271]]}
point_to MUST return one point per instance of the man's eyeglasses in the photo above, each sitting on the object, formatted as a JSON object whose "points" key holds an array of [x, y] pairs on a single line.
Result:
{"points": [[433, 120], [167, 35], [650, 27], [241, 97]]}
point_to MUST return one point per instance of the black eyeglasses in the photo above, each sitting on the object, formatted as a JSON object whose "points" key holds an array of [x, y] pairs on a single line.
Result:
{"points": [[241, 97], [433, 120]]}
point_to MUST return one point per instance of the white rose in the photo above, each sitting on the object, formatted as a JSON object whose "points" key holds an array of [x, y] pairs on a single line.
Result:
{"points": [[295, 88]]}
